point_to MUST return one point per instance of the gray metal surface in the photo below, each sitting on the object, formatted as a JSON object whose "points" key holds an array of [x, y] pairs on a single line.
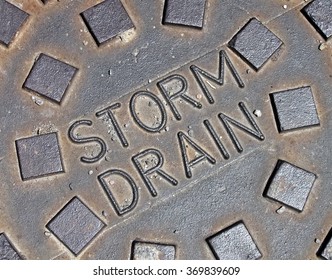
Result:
{"points": [[39, 156], [7, 251], [166, 135], [294, 108], [50, 77], [107, 20], [255, 43], [325, 251], [12, 18], [187, 12], [234, 243], [290, 185], [151, 251], [319, 13], [75, 225]]}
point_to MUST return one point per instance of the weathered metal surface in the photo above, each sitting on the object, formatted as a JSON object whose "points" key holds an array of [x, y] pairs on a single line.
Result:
{"points": [[7, 251], [187, 13], [75, 225], [234, 243], [11, 20], [320, 14], [163, 136], [255, 43], [49, 77], [151, 251], [39, 156], [325, 251], [290, 185], [294, 109], [107, 20]]}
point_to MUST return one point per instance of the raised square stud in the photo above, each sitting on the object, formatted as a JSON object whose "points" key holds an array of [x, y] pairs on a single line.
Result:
{"points": [[39, 156], [107, 20], [255, 43], [290, 185], [50, 77], [294, 109], [234, 243], [319, 13], [325, 251], [75, 225], [7, 251], [152, 251], [185, 12], [11, 20]]}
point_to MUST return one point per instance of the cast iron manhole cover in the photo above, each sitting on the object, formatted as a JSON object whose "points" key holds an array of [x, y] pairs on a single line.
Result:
{"points": [[194, 129]]}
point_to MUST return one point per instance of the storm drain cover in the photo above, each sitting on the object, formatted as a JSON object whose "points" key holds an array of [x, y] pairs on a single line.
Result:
{"points": [[165, 129]]}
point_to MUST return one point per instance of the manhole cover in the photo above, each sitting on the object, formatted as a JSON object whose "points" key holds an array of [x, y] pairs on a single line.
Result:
{"points": [[194, 129]]}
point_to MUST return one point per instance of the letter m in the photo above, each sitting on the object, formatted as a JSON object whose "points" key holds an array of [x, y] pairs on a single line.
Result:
{"points": [[201, 75]]}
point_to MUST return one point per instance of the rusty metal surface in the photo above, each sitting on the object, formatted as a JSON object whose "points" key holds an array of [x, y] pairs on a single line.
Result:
{"points": [[142, 139]]}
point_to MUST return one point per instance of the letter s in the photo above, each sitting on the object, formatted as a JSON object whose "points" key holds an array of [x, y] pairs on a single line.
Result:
{"points": [[84, 140]]}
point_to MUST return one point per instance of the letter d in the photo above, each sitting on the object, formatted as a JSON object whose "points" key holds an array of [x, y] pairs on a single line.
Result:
{"points": [[120, 210]]}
